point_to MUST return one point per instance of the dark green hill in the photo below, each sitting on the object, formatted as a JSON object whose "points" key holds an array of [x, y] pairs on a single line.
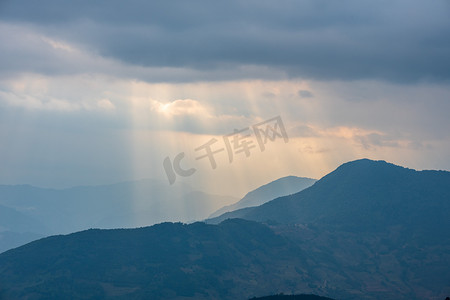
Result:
{"points": [[366, 195], [378, 230], [235, 260]]}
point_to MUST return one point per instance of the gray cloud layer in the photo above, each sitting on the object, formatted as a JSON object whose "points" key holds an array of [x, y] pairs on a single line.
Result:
{"points": [[399, 41]]}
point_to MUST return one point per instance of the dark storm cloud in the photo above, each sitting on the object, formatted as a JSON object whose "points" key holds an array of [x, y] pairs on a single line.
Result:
{"points": [[399, 41]]}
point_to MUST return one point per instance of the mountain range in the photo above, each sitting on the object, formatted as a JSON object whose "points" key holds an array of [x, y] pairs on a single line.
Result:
{"points": [[368, 230], [28, 212], [363, 195]]}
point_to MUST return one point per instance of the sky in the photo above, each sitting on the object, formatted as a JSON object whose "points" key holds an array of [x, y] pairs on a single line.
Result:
{"points": [[97, 92]]}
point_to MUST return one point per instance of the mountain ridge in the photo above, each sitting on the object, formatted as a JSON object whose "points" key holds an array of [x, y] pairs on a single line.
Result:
{"points": [[119, 258], [280, 187], [353, 188]]}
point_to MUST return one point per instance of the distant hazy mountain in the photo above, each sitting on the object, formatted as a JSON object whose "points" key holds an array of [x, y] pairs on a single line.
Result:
{"points": [[13, 239], [42, 212], [368, 230], [280, 187], [17, 229], [11, 219]]}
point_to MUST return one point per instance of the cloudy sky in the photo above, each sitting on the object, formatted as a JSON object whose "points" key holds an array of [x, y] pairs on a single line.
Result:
{"points": [[95, 92]]}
